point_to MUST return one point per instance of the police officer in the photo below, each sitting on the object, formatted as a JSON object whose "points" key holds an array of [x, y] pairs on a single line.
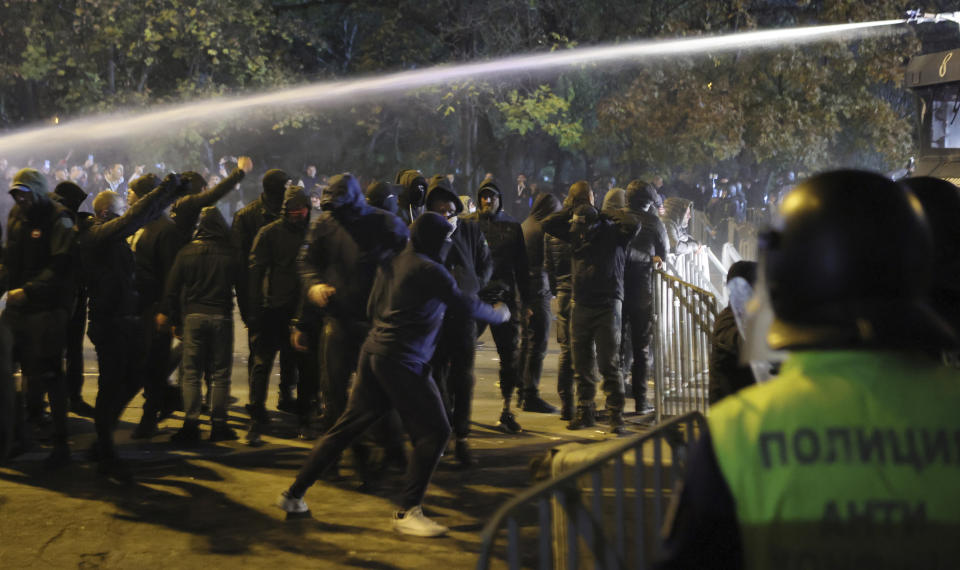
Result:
{"points": [[847, 458]]}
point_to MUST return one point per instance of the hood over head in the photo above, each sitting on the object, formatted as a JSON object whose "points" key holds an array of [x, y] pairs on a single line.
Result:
{"points": [[30, 180], [641, 194], [440, 188], [615, 199], [70, 195], [675, 207], [294, 198], [211, 225], [578, 194], [144, 184], [430, 236], [342, 194], [544, 205], [195, 183], [414, 188], [383, 195], [274, 185]]}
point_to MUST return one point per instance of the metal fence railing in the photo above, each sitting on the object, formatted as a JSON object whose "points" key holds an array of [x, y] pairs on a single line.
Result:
{"points": [[603, 508], [683, 326]]}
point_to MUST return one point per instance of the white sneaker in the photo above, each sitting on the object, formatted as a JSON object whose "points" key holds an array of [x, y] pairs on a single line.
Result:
{"points": [[415, 523], [290, 504]]}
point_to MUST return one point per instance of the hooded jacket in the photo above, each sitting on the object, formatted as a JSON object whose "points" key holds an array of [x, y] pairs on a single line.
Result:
{"points": [[615, 199], [344, 248], [410, 296], [205, 272], [108, 263], [598, 253], [410, 201], [274, 278], [680, 241], [186, 209], [469, 258], [383, 195], [38, 254], [543, 206], [650, 241], [505, 238], [248, 221]]}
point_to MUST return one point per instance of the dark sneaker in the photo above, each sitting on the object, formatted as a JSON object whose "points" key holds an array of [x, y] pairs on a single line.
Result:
{"points": [[60, 457], [81, 408], [462, 454], [188, 435], [566, 411], [508, 423], [538, 405], [585, 418], [222, 432], [617, 425]]}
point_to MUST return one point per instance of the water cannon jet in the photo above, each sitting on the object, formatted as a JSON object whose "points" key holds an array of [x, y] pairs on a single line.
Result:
{"points": [[921, 17]]}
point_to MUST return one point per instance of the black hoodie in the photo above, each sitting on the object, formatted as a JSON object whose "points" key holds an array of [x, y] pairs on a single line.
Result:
{"points": [[274, 278], [543, 206], [505, 238], [248, 221], [205, 272], [344, 248], [469, 258], [413, 189], [411, 294]]}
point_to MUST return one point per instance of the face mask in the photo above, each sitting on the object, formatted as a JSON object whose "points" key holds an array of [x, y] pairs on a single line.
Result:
{"points": [[453, 222], [298, 216]]}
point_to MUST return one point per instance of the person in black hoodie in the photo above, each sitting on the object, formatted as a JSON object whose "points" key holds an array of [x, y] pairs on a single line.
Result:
{"points": [[470, 265], [557, 256], [108, 267], [37, 276], [647, 249], [599, 255], [186, 210], [246, 223], [155, 247], [413, 192], [536, 324], [383, 195], [198, 299], [274, 289], [71, 196], [510, 278], [337, 265], [407, 306]]}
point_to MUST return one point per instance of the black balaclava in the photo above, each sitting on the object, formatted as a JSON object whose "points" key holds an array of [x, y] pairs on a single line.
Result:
{"points": [[72, 195], [383, 195], [295, 202], [274, 185]]}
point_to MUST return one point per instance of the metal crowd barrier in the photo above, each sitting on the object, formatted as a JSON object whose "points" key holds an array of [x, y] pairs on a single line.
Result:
{"points": [[683, 325], [604, 508]]}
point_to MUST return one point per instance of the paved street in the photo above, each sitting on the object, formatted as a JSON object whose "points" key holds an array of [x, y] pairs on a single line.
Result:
{"points": [[212, 506]]}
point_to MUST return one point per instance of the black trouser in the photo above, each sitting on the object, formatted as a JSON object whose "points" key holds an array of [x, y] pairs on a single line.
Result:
{"points": [[11, 415], [452, 365], [565, 359], [156, 371], [120, 355], [534, 348], [39, 340], [76, 327], [339, 349], [507, 336], [596, 344], [273, 336], [384, 383], [639, 317]]}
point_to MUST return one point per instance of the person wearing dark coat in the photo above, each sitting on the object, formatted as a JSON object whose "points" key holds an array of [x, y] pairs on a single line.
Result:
{"points": [[413, 192], [274, 289], [557, 255], [406, 306], [115, 330], [246, 223], [599, 256], [728, 375], [536, 324], [186, 210], [71, 196], [338, 263], [647, 249], [383, 195], [198, 302], [37, 275], [510, 278], [470, 265]]}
